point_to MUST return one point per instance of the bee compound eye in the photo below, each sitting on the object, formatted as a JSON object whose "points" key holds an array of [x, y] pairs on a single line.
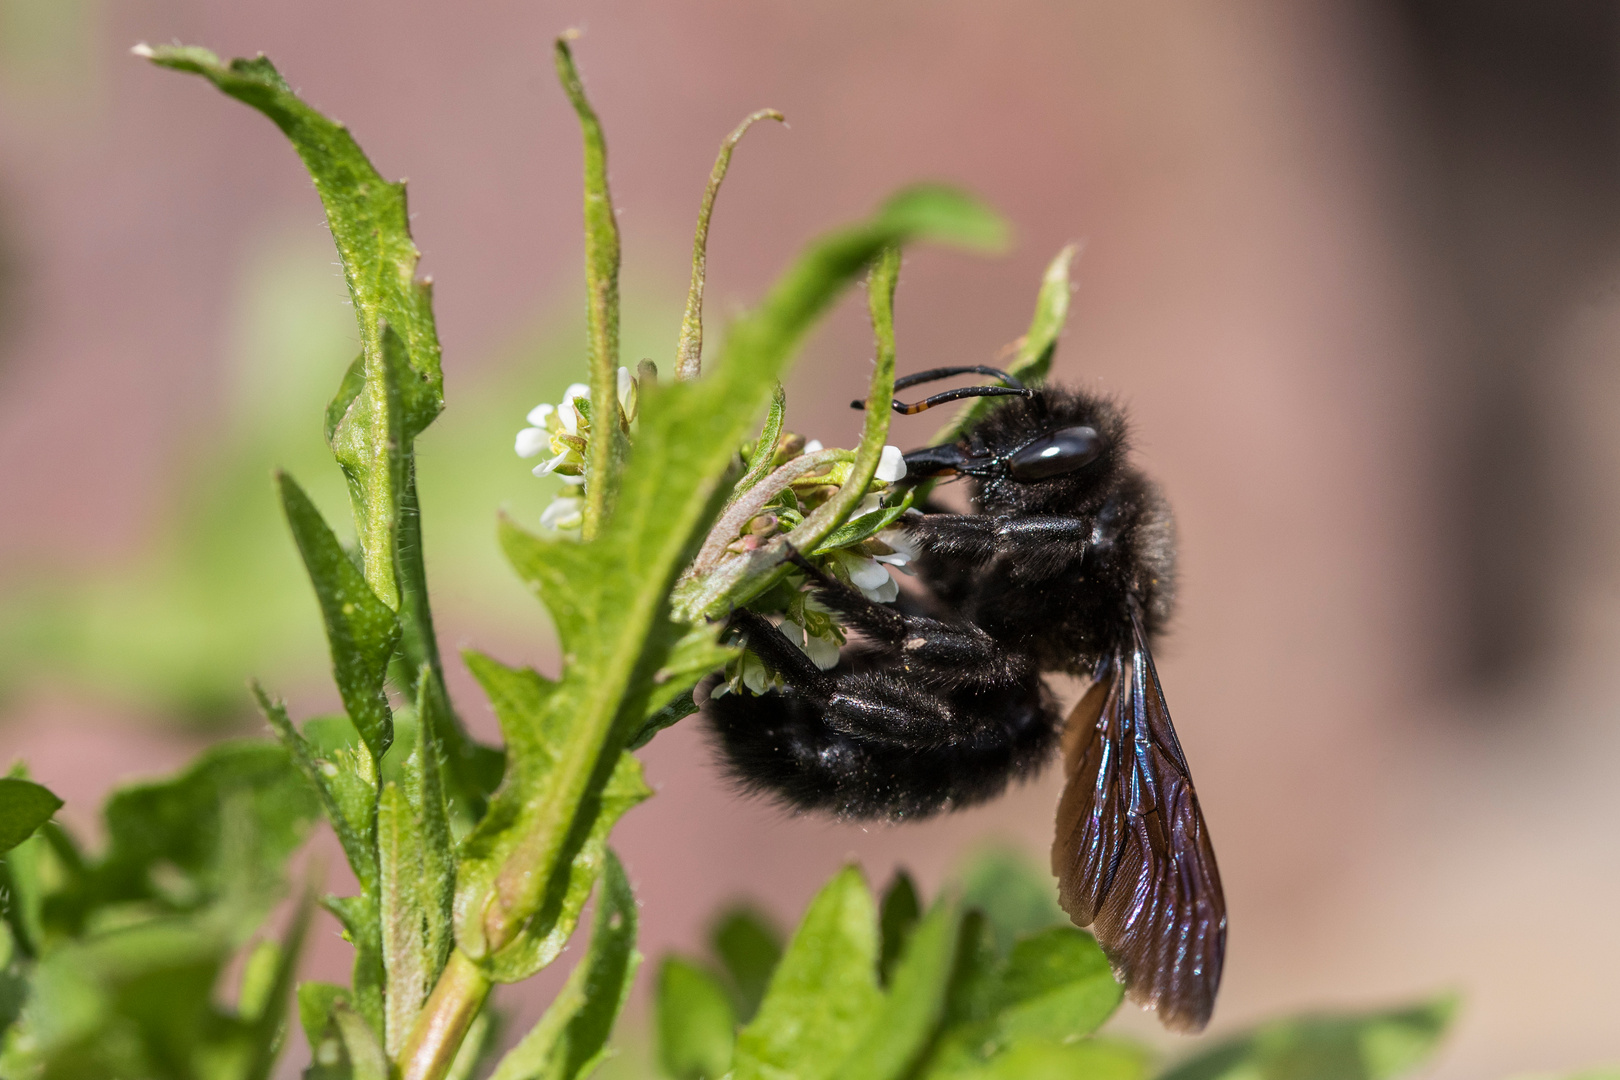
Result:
{"points": [[1061, 452]]}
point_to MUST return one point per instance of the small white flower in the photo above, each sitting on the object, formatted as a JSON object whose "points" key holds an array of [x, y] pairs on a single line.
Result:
{"points": [[904, 550], [532, 440], [892, 465], [812, 446], [563, 514], [547, 467], [627, 394], [868, 575], [539, 414], [566, 413], [823, 652]]}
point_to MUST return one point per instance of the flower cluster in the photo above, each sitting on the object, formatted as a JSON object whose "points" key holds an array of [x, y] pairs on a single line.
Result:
{"points": [[802, 476], [564, 430]]}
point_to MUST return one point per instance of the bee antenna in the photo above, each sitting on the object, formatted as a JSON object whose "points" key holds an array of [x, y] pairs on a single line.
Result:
{"points": [[935, 374], [1011, 385]]}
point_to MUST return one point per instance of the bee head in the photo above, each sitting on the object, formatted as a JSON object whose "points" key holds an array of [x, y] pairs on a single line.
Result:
{"points": [[1054, 450]]}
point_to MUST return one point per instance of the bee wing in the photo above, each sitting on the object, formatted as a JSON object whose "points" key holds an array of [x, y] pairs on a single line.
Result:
{"points": [[1132, 853]]}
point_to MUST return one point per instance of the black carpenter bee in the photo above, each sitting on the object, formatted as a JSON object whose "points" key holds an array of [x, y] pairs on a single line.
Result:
{"points": [[1066, 564]]}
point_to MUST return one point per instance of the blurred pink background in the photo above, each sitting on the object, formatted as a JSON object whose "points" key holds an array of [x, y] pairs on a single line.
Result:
{"points": [[1350, 265]]}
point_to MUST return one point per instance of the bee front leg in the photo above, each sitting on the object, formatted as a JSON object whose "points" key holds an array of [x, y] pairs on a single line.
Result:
{"points": [[1035, 546], [934, 651]]}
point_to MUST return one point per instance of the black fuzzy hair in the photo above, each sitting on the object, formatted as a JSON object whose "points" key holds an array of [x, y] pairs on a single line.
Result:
{"points": [[777, 744]]}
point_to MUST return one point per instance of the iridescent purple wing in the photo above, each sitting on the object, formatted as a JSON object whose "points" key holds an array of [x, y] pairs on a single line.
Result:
{"points": [[1132, 853]]}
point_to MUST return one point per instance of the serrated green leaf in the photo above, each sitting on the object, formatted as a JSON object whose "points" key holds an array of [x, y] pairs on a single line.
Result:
{"points": [[898, 916], [1055, 987], [694, 1022], [1379, 1045], [24, 807], [388, 396], [602, 292], [749, 947], [1017, 896], [519, 697], [899, 1033], [367, 215], [345, 776], [823, 993], [371, 228], [1033, 358], [547, 933], [361, 629], [571, 1038]]}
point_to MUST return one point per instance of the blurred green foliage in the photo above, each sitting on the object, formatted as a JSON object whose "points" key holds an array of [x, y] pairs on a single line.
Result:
{"points": [[220, 590]]}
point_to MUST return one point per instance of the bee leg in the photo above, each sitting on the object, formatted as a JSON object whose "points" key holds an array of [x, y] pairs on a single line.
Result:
{"points": [[1036, 546], [782, 656], [968, 537], [939, 652]]}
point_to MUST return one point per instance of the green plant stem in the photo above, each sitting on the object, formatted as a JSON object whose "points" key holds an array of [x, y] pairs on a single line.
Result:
{"points": [[832, 513], [689, 352], [602, 312], [445, 1019]]}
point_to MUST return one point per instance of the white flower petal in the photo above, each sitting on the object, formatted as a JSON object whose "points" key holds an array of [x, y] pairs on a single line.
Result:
{"points": [[531, 440], [563, 513], [579, 481], [625, 385], [568, 417], [539, 414], [545, 468], [812, 446], [884, 593], [901, 541], [865, 573], [575, 390], [823, 652], [872, 503], [905, 551], [892, 465]]}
